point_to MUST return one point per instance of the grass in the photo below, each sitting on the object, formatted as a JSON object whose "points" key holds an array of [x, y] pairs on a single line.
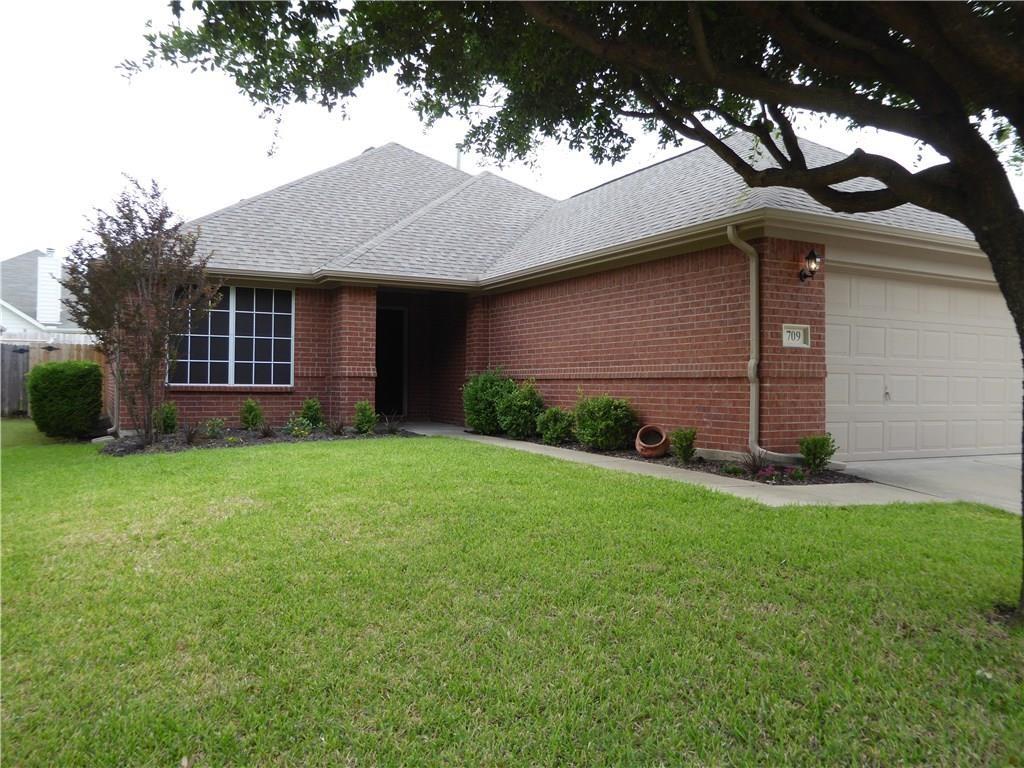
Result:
{"points": [[431, 601]]}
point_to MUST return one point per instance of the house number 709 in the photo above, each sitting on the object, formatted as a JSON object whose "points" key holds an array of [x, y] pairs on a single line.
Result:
{"points": [[796, 336]]}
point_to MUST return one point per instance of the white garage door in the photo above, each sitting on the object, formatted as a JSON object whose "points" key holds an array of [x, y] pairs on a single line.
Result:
{"points": [[919, 368]]}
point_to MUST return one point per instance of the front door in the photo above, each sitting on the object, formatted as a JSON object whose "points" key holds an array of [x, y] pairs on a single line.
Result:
{"points": [[391, 358]]}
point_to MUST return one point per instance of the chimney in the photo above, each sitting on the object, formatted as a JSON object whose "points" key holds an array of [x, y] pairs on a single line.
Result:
{"points": [[48, 288]]}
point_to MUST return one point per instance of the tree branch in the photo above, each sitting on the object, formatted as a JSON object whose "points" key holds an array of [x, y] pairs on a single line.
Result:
{"points": [[641, 58]]}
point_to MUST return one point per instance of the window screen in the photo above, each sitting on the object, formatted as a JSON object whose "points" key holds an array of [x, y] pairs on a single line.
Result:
{"points": [[245, 340]]}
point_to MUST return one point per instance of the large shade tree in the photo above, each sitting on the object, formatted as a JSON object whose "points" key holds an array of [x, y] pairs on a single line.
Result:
{"points": [[950, 75]]}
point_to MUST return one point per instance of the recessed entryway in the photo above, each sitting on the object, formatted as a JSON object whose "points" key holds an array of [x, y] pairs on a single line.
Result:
{"points": [[392, 361]]}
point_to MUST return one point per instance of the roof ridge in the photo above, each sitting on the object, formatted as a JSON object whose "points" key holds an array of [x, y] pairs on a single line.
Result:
{"points": [[345, 260], [287, 185]]}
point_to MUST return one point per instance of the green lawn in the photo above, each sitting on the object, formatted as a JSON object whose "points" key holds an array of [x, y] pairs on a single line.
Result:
{"points": [[431, 601]]}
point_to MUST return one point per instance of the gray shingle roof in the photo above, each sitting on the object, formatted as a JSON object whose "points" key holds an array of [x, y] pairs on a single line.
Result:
{"points": [[297, 228], [690, 189], [18, 276], [392, 212]]}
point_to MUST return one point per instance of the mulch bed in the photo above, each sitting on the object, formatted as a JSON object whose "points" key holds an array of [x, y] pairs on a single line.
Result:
{"points": [[715, 467], [236, 438]]}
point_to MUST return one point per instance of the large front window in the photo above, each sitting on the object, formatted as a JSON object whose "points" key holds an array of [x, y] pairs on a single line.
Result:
{"points": [[246, 339]]}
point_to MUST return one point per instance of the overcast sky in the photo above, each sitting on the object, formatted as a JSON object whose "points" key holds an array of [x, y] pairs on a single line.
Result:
{"points": [[74, 124]]}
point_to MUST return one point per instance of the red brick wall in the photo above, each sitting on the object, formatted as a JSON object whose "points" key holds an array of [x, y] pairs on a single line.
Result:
{"points": [[335, 334], [792, 380], [353, 341], [669, 335]]}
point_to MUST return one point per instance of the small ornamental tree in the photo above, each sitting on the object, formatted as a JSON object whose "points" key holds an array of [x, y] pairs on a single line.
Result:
{"points": [[134, 283]]}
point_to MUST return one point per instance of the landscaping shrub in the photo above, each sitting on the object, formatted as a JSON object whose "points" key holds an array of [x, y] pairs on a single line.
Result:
{"points": [[366, 417], [555, 426], [754, 461], [266, 430], [817, 451], [795, 474], [214, 428], [165, 418], [251, 415], [297, 426], [190, 432], [480, 397], [313, 413], [684, 444], [66, 397], [518, 409], [605, 423]]}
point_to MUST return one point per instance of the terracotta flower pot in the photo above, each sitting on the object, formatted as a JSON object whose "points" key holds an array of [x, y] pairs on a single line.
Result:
{"points": [[651, 442]]}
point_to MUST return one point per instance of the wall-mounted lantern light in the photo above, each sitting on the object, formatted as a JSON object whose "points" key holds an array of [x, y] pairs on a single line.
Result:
{"points": [[812, 263]]}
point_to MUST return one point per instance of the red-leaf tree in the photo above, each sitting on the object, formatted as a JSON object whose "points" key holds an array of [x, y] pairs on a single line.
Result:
{"points": [[134, 283]]}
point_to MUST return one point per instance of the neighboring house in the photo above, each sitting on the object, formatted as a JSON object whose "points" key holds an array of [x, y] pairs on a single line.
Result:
{"points": [[30, 301], [392, 277]]}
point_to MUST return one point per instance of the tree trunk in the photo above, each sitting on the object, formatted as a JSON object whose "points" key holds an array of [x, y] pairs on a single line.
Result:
{"points": [[1002, 240]]}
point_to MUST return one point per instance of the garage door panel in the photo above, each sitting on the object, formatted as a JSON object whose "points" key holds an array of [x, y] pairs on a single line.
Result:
{"points": [[934, 390], [837, 389], [933, 435], [917, 368], [868, 437], [901, 342], [869, 341], [837, 339], [901, 297], [991, 433], [935, 345], [993, 392], [902, 436]]}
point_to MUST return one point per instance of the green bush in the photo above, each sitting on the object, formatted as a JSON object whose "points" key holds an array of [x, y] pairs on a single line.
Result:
{"points": [[297, 426], [214, 428], [165, 418], [605, 423], [684, 444], [251, 415], [313, 413], [555, 426], [817, 451], [66, 397], [480, 397], [518, 409], [366, 417]]}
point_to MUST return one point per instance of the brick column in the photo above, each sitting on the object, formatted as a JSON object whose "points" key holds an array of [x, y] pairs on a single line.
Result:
{"points": [[477, 335], [792, 380], [354, 350]]}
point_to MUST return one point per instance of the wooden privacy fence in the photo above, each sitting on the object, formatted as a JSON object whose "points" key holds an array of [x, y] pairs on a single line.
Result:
{"points": [[15, 363]]}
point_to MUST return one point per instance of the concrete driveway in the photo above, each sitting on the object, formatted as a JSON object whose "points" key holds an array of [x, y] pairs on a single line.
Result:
{"points": [[991, 480]]}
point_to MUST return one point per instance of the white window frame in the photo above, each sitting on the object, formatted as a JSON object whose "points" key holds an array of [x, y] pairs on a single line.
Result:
{"points": [[231, 347]]}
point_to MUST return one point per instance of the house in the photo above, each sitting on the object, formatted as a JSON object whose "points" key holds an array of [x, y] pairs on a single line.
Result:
{"points": [[392, 277], [30, 301]]}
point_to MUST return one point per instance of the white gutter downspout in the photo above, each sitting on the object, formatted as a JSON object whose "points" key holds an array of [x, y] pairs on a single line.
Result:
{"points": [[754, 425]]}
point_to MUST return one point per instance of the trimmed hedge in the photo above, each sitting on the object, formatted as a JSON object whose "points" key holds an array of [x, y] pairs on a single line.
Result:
{"points": [[555, 426], [66, 397], [605, 423], [480, 397], [518, 410]]}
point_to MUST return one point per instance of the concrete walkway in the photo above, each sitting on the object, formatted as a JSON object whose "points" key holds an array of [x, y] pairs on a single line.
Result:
{"points": [[841, 494]]}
